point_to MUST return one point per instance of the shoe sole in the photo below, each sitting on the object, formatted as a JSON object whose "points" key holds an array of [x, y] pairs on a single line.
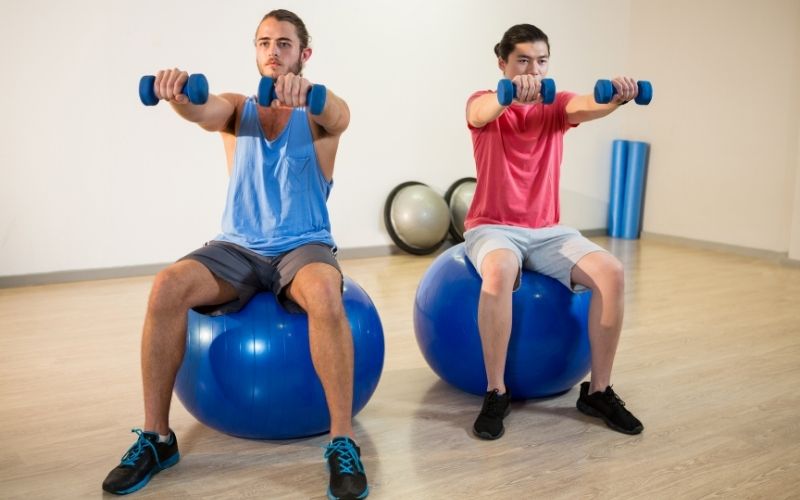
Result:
{"points": [[486, 435], [588, 410], [141, 484], [364, 494]]}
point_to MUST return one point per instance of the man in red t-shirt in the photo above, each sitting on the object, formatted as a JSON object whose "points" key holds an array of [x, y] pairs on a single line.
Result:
{"points": [[513, 222]]}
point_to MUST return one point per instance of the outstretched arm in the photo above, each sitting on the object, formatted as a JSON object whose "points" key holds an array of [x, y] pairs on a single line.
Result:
{"points": [[292, 90], [486, 108], [583, 108], [212, 116], [335, 117]]}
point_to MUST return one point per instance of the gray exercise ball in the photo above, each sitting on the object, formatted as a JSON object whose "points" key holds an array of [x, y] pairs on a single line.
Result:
{"points": [[417, 218], [459, 198]]}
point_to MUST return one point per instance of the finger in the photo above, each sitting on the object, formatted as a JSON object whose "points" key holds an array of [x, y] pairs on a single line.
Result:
{"points": [[537, 90], [294, 91], [179, 81], [158, 83], [303, 86], [621, 86], [630, 88], [524, 90], [169, 84], [279, 92]]}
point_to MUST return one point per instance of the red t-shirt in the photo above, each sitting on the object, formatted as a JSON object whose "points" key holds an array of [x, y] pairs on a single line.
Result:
{"points": [[518, 160]]}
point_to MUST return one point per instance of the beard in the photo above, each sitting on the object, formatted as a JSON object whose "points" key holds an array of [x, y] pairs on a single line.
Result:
{"points": [[296, 69]]}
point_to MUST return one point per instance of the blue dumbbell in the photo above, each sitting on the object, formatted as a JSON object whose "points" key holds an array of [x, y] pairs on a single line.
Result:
{"points": [[316, 97], [604, 91], [507, 91], [195, 88]]}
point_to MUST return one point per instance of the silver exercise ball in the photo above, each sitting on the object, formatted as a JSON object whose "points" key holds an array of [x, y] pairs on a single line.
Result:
{"points": [[459, 198], [417, 218]]}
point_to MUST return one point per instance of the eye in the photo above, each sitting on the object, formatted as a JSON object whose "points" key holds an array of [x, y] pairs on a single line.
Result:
{"points": [[283, 45]]}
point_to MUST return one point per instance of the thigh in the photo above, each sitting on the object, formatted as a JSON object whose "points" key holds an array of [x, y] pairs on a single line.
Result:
{"points": [[599, 270], [238, 271], [482, 240], [555, 251], [307, 270]]}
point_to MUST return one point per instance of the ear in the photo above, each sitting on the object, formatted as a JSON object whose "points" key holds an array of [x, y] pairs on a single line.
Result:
{"points": [[306, 54], [501, 64]]}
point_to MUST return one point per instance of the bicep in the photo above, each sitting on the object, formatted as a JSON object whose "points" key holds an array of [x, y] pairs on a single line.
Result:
{"points": [[575, 108], [583, 108], [483, 109], [220, 109]]}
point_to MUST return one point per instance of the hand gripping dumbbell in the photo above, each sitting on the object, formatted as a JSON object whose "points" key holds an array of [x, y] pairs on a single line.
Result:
{"points": [[507, 91], [604, 91], [195, 88], [315, 98]]}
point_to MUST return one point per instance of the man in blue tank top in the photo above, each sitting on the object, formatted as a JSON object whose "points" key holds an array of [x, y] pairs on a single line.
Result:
{"points": [[275, 236]]}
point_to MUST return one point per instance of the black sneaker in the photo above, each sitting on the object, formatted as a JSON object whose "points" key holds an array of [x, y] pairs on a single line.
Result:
{"points": [[489, 424], [348, 479], [142, 460], [608, 406]]}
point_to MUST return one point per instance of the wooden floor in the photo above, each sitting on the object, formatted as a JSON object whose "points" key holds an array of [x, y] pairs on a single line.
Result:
{"points": [[709, 360]]}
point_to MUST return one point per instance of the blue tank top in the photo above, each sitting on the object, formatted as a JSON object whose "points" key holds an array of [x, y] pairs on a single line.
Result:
{"points": [[277, 194]]}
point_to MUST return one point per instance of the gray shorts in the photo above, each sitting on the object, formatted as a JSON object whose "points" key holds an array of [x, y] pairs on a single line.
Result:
{"points": [[250, 273], [552, 251]]}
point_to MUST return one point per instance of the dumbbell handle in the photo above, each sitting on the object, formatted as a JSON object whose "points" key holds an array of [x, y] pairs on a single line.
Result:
{"points": [[316, 97], [604, 91], [507, 91], [195, 88]]}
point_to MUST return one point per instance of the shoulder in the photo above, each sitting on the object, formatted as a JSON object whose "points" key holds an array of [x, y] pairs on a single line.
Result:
{"points": [[477, 94], [563, 98], [238, 101]]}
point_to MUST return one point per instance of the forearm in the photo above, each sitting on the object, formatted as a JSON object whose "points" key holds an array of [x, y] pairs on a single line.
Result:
{"points": [[335, 117], [583, 108], [484, 109], [212, 116]]}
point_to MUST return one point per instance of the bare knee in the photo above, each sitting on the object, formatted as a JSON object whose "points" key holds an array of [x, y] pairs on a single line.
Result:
{"points": [[318, 291], [607, 280], [613, 276], [500, 269], [171, 290]]}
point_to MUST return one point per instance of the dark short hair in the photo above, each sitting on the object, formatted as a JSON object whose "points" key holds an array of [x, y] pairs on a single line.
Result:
{"points": [[294, 19], [520, 33]]}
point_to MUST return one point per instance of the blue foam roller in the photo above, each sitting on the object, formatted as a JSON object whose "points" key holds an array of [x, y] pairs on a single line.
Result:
{"points": [[616, 199], [634, 189]]}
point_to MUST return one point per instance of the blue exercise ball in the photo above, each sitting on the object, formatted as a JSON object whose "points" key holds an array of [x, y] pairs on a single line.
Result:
{"points": [[548, 352], [249, 373]]}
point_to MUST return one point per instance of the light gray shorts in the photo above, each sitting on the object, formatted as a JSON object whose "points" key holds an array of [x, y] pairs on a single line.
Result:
{"points": [[552, 251]]}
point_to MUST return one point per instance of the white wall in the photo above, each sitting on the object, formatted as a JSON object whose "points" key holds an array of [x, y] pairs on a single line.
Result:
{"points": [[794, 243], [724, 119], [92, 179]]}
